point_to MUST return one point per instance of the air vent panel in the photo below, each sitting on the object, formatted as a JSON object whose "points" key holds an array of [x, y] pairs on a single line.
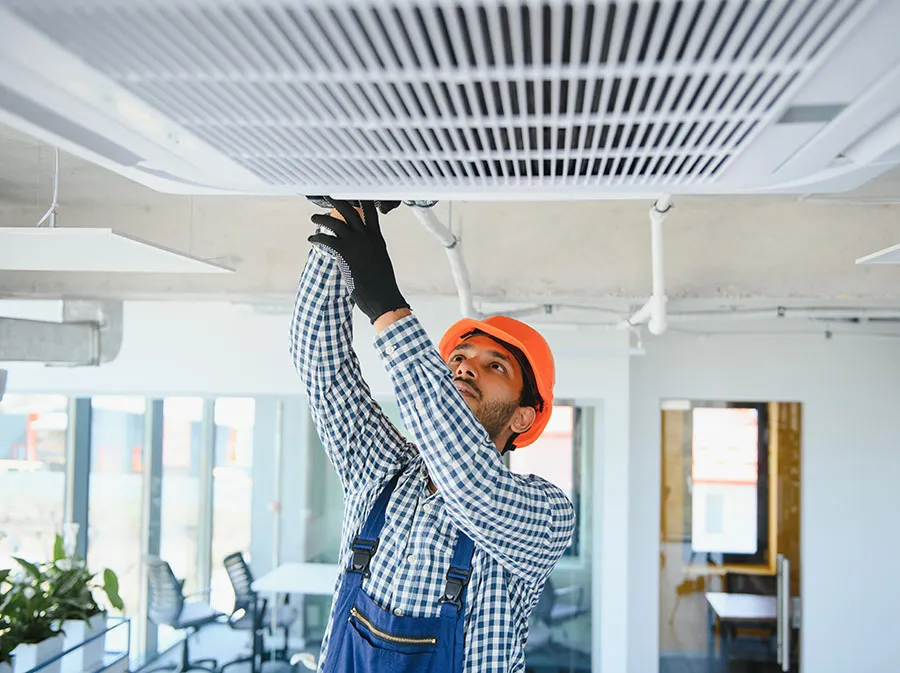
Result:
{"points": [[467, 94]]}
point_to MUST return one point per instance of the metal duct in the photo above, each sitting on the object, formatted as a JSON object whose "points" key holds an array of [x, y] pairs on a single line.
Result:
{"points": [[90, 334]]}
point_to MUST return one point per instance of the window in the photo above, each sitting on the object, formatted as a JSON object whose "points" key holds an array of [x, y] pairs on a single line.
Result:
{"points": [[716, 497], [32, 475], [115, 500], [182, 488], [556, 456], [725, 477], [232, 490]]}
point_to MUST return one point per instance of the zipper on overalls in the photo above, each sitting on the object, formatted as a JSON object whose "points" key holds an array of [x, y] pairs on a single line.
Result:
{"points": [[387, 636]]}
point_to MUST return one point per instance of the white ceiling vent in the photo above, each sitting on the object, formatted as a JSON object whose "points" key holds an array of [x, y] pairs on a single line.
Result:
{"points": [[418, 99]]}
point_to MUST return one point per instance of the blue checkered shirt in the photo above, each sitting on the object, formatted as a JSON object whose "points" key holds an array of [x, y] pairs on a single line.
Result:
{"points": [[520, 524]]}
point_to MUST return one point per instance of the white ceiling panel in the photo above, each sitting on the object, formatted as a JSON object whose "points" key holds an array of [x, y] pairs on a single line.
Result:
{"points": [[92, 250]]}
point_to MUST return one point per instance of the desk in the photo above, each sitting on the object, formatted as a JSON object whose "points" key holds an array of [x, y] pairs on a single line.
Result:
{"points": [[299, 578], [296, 578], [734, 611]]}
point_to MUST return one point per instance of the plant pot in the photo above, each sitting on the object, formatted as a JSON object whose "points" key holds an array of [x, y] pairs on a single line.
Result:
{"points": [[27, 657], [89, 656]]}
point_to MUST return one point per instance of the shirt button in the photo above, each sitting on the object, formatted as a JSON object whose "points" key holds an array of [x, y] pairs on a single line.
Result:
{"points": [[420, 406], [411, 558], [389, 350], [426, 507], [398, 612]]}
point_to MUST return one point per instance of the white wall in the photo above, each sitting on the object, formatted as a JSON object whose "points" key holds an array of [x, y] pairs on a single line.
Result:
{"points": [[850, 539], [229, 349]]}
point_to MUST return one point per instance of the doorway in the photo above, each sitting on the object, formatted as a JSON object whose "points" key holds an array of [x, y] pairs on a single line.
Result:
{"points": [[729, 549]]}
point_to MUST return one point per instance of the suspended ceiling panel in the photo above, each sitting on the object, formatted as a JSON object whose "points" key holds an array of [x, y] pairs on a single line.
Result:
{"points": [[103, 250], [460, 99]]}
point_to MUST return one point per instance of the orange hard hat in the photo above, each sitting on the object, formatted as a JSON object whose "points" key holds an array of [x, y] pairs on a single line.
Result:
{"points": [[533, 347]]}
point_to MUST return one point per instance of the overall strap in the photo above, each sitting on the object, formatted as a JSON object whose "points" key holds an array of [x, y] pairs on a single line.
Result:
{"points": [[366, 543], [458, 574]]}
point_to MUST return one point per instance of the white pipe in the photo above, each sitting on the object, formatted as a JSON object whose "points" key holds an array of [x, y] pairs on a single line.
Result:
{"points": [[654, 310], [639, 317], [457, 265], [51, 211], [805, 313]]}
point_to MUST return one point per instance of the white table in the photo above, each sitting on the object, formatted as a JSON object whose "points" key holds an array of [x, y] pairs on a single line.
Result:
{"points": [[743, 611], [743, 607], [299, 578], [316, 579]]}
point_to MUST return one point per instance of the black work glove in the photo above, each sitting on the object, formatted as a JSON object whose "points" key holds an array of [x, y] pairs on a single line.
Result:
{"points": [[384, 207], [363, 257]]}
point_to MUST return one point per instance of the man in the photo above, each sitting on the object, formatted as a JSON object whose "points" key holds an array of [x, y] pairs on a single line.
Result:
{"points": [[445, 551]]}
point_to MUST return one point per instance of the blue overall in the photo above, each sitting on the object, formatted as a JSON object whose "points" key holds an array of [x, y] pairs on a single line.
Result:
{"points": [[367, 639]]}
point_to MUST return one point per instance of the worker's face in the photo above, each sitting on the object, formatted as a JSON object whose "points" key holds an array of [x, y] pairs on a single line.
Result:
{"points": [[490, 381]]}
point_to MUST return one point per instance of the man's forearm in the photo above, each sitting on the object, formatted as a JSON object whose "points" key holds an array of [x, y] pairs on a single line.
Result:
{"points": [[385, 320]]}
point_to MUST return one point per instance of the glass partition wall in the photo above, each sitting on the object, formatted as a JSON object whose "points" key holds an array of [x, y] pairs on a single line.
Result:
{"points": [[188, 478], [169, 477], [729, 536]]}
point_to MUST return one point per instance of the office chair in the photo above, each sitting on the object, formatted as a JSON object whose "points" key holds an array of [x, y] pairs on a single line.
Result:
{"points": [[251, 614], [168, 607]]}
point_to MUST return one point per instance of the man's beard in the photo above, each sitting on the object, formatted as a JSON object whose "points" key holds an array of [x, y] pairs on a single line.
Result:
{"points": [[495, 416]]}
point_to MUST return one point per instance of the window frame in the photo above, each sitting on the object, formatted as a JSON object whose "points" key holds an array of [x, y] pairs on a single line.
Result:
{"points": [[573, 554]]}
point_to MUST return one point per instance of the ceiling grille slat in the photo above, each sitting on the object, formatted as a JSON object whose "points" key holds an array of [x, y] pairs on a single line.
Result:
{"points": [[431, 92]]}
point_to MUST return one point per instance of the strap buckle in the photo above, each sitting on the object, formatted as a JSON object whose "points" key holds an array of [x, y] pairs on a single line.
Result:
{"points": [[457, 579], [363, 551]]}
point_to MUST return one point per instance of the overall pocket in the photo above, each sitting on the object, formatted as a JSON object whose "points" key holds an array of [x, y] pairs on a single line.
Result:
{"points": [[392, 642]]}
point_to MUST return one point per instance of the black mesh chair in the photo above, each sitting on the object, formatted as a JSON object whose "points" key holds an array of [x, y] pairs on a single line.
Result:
{"points": [[167, 607], [250, 613]]}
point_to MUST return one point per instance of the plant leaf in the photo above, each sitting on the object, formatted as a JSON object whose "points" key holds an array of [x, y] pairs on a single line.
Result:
{"points": [[59, 549], [30, 568], [111, 587]]}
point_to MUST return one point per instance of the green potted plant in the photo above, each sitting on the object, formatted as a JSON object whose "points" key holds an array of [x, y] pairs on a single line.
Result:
{"points": [[7, 642], [7, 645], [76, 609], [28, 619]]}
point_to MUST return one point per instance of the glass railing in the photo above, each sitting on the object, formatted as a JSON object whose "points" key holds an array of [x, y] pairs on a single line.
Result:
{"points": [[116, 638]]}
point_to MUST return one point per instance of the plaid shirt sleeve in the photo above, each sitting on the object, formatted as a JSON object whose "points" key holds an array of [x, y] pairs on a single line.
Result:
{"points": [[524, 522], [362, 444]]}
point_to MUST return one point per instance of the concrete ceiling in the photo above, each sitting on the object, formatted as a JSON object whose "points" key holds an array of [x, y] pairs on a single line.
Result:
{"points": [[741, 250]]}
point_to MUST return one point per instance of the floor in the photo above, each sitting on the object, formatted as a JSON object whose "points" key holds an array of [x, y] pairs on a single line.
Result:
{"points": [[686, 663], [224, 644]]}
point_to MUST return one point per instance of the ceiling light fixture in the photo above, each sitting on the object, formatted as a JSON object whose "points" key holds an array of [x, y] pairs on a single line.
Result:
{"points": [[89, 248], [887, 256], [92, 249]]}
